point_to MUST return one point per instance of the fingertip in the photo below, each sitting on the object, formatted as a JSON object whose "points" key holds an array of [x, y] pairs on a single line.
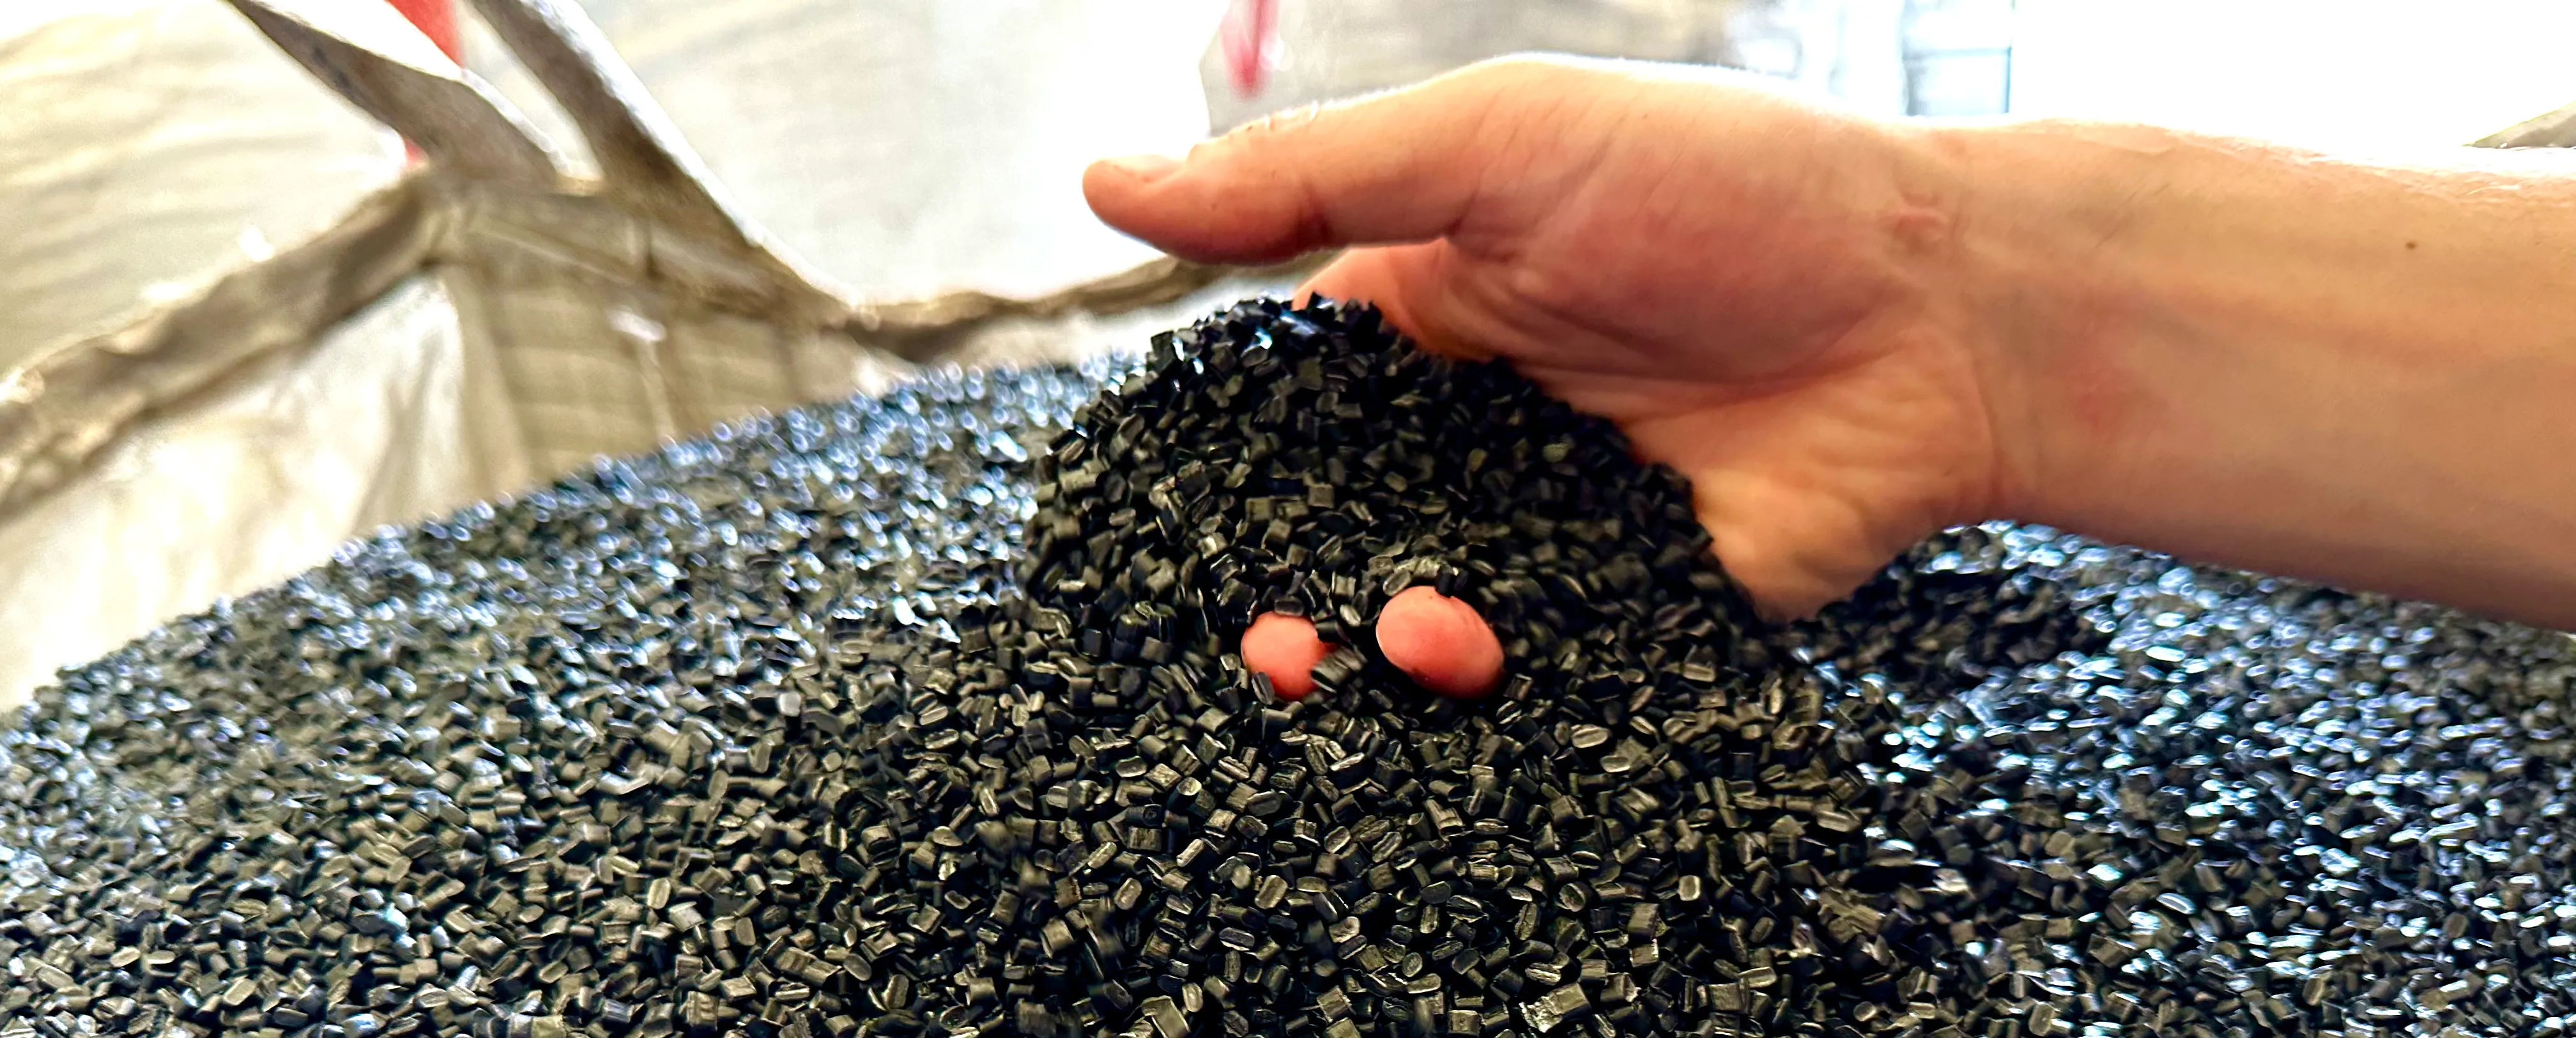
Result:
{"points": [[1193, 209], [1119, 191], [1284, 649], [1441, 643], [1399, 167]]}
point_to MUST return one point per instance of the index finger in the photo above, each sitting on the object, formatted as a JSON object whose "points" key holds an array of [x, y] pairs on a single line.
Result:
{"points": [[1397, 167]]}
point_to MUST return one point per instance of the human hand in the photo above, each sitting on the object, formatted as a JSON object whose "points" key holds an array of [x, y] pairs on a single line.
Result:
{"points": [[1764, 294]]}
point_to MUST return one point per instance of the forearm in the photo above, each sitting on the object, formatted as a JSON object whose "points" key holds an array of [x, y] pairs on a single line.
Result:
{"points": [[2259, 357]]}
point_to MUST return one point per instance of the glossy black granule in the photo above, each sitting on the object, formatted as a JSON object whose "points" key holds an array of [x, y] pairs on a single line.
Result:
{"points": [[2243, 806], [1647, 827], [758, 737]]}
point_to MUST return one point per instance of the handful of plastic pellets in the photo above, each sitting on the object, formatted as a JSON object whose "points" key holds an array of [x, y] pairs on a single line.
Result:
{"points": [[926, 715]]}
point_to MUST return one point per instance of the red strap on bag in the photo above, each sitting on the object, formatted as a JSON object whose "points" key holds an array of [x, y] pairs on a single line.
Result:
{"points": [[435, 19], [1246, 42]]}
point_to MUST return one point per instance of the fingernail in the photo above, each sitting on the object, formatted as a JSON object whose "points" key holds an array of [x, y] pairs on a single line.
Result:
{"points": [[1146, 168]]}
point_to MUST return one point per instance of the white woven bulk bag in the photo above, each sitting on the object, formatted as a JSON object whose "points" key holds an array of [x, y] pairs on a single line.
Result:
{"points": [[479, 324]]}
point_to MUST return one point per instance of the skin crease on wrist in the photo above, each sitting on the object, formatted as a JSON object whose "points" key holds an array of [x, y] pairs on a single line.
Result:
{"points": [[2233, 351]]}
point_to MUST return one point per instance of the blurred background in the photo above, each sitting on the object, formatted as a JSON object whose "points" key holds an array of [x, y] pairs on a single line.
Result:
{"points": [[904, 148]]}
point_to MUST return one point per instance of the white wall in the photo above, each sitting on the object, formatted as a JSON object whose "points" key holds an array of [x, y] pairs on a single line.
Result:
{"points": [[2367, 74], [905, 147]]}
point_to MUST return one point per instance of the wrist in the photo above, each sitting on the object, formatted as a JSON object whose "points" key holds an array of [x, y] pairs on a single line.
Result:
{"points": [[2261, 357], [2049, 291]]}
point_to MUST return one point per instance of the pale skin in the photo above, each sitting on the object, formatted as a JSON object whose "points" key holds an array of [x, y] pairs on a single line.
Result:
{"points": [[1850, 333]]}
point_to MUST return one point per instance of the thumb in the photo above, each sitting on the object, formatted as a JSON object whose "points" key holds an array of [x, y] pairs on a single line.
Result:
{"points": [[1389, 168]]}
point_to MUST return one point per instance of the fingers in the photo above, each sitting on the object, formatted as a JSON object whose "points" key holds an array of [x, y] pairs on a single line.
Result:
{"points": [[1440, 643], [1390, 168], [1284, 649], [1403, 282]]}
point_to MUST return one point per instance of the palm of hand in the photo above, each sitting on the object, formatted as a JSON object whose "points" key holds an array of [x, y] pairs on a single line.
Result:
{"points": [[1764, 331], [1754, 289]]}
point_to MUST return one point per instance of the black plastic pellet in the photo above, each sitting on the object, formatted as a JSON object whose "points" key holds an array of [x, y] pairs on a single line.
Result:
{"points": [[801, 730]]}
